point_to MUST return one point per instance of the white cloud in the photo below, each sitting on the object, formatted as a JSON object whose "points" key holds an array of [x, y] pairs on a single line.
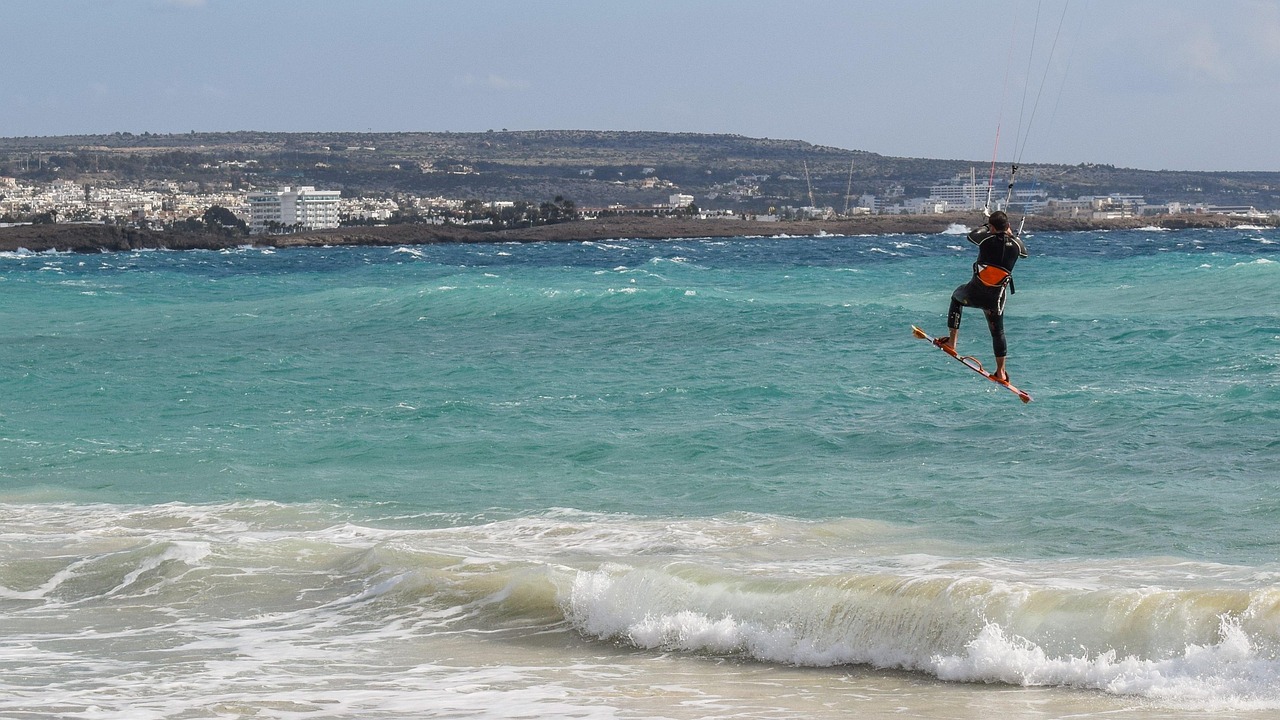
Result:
{"points": [[1243, 51], [1179, 52], [1203, 60], [1262, 32]]}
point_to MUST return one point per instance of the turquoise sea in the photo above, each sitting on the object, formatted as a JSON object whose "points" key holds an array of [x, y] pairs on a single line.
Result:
{"points": [[631, 479]]}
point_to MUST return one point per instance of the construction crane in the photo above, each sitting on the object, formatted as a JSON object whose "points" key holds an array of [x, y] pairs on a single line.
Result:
{"points": [[812, 204], [848, 188]]}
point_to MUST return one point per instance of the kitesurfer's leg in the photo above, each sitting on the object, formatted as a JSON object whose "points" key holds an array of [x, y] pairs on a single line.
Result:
{"points": [[999, 347], [959, 299], [1000, 374]]}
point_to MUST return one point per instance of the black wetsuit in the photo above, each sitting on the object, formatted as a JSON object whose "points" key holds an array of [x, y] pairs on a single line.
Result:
{"points": [[999, 250]]}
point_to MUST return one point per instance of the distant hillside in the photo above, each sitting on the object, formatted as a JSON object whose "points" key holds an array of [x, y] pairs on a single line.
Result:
{"points": [[593, 168]]}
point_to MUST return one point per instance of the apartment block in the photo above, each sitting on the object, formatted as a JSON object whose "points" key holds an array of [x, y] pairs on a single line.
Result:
{"points": [[304, 208]]}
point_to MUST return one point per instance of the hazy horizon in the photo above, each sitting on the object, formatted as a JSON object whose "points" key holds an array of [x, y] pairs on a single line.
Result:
{"points": [[1139, 84]]}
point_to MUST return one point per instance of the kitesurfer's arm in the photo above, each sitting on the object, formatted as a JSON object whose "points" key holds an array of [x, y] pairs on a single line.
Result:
{"points": [[977, 235]]}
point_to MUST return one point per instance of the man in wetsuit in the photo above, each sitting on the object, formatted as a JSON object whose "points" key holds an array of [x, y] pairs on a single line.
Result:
{"points": [[998, 250]]}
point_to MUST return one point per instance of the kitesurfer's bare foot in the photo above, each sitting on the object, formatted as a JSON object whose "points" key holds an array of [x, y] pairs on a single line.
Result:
{"points": [[1000, 376]]}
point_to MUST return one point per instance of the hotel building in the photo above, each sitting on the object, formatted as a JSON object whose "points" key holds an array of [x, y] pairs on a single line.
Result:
{"points": [[304, 208]]}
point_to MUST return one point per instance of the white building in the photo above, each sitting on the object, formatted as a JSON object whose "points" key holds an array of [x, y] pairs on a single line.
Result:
{"points": [[1109, 207], [304, 208], [963, 192]]}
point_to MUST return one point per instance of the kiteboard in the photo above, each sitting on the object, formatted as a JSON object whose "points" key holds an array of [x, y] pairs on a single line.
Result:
{"points": [[970, 362]]}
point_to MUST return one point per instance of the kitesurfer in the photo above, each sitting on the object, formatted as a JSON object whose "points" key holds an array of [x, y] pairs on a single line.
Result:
{"points": [[998, 250]]}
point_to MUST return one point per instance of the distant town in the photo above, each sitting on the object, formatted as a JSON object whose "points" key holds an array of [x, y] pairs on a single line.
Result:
{"points": [[163, 205], [275, 184]]}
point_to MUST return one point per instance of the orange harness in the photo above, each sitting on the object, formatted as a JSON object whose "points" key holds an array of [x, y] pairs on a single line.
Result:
{"points": [[992, 275]]}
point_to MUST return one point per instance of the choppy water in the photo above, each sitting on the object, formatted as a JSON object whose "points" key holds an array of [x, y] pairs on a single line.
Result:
{"points": [[632, 479]]}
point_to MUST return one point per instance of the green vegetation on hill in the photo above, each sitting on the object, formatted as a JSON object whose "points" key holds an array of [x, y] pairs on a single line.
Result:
{"points": [[595, 168]]}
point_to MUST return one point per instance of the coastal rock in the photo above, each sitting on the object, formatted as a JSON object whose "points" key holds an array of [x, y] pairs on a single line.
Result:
{"points": [[108, 238]]}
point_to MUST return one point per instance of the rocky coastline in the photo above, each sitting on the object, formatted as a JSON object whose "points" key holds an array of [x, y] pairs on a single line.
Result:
{"points": [[106, 238]]}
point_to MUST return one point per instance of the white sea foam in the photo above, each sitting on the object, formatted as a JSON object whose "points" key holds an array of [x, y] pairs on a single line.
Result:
{"points": [[23, 253], [674, 260], [943, 626], [257, 605], [955, 229], [1229, 674]]}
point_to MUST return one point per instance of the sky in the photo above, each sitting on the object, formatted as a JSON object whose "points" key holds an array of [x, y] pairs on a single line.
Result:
{"points": [[1149, 84]]}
